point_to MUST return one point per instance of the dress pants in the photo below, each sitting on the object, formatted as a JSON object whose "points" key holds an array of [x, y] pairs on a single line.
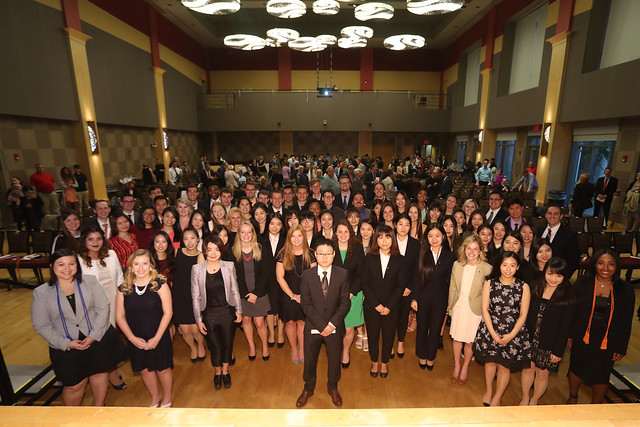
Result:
{"points": [[312, 347], [431, 312], [378, 324], [83, 198], [403, 316], [220, 332], [606, 207], [50, 204]]}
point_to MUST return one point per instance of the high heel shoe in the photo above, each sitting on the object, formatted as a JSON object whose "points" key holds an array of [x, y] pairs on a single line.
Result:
{"points": [[401, 355], [422, 365], [384, 374], [121, 386], [252, 358], [265, 358], [430, 367], [217, 381], [280, 344], [346, 365], [233, 361], [271, 344], [374, 374], [166, 405]]}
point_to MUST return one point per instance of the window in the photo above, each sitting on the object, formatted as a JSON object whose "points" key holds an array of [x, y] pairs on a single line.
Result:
{"points": [[461, 153], [504, 157], [589, 155], [527, 51], [533, 150], [472, 78], [622, 34]]}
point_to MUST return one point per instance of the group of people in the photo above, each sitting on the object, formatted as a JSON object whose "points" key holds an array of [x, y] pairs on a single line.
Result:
{"points": [[327, 264]]}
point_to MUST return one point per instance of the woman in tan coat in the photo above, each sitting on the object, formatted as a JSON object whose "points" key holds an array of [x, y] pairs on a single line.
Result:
{"points": [[465, 302]]}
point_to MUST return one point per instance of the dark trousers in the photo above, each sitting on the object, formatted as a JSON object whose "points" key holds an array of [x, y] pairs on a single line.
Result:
{"points": [[380, 325], [606, 206], [312, 346], [430, 316], [403, 316], [220, 332]]}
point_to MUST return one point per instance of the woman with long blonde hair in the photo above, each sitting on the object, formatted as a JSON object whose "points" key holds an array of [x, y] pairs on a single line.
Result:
{"points": [[218, 215], [143, 313], [293, 259], [252, 276]]}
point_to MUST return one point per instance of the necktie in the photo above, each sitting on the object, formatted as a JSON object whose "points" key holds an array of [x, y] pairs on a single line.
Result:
{"points": [[130, 218], [490, 217], [106, 229], [606, 180], [548, 235], [325, 284], [344, 202]]}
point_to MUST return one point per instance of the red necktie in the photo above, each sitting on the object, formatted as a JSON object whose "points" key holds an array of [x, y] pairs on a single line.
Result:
{"points": [[605, 184]]}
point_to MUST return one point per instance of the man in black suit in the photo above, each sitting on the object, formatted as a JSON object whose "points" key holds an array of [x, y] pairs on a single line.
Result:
{"points": [[606, 187], [345, 196], [192, 195], [446, 186], [369, 181], [496, 212], [324, 297], [564, 242], [328, 198]]}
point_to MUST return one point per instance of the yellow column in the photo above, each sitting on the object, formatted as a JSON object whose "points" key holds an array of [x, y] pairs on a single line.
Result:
{"points": [[365, 143], [158, 136], [286, 142], [488, 144], [552, 167], [92, 163]]}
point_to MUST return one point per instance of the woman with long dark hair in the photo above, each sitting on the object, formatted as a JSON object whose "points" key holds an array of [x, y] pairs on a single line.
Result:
{"points": [[548, 321], [601, 325], [69, 232], [122, 241], [272, 243], [170, 226], [540, 253], [146, 226], [163, 255], [383, 281]]}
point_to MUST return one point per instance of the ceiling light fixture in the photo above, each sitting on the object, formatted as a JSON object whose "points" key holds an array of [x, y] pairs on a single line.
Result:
{"points": [[282, 35], [244, 42], [374, 11], [213, 7], [326, 7], [352, 42], [433, 7], [357, 32], [307, 44], [327, 39], [404, 42], [287, 9]]}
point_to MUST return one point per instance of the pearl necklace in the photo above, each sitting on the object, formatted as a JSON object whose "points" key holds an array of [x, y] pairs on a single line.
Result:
{"points": [[144, 289]]}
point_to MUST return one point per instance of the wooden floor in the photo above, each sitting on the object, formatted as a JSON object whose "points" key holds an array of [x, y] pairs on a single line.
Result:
{"points": [[275, 384]]}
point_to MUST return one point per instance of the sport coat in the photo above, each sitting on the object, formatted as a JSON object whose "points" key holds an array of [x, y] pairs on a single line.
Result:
{"points": [[475, 294], [321, 311], [261, 273], [501, 215], [565, 246], [438, 286], [45, 314], [353, 264], [199, 288], [385, 290]]}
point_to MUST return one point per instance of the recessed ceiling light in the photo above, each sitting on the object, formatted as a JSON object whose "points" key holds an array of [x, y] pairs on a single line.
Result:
{"points": [[374, 11], [404, 42]]}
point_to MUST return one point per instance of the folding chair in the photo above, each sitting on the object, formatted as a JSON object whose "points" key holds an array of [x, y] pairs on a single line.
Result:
{"points": [[576, 224], [601, 241], [594, 224]]}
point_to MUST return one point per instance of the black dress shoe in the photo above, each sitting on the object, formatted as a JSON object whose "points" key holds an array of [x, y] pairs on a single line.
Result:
{"points": [[226, 380], [430, 367], [486, 404], [393, 356], [217, 381], [252, 358], [281, 344], [265, 358], [401, 355], [200, 359], [346, 365], [374, 374], [384, 374], [194, 360], [422, 366], [303, 398], [271, 344]]}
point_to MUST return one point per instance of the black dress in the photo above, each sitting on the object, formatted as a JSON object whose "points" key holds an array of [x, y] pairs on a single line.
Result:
{"points": [[144, 313], [181, 289], [290, 310]]}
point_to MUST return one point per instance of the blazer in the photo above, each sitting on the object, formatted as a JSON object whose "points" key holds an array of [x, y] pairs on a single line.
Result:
{"points": [[269, 259], [46, 320], [385, 290], [199, 288], [353, 264], [502, 215], [411, 260], [554, 329], [475, 294], [612, 186], [439, 283], [113, 265], [446, 187], [319, 311], [624, 304], [565, 246], [260, 273]]}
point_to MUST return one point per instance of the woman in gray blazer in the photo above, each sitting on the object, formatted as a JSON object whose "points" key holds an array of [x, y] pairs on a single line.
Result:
{"points": [[216, 305], [72, 314]]}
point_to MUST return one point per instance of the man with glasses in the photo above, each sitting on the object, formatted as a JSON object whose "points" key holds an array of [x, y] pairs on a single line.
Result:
{"points": [[328, 198], [128, 205], [324, 297], [496, 212]]}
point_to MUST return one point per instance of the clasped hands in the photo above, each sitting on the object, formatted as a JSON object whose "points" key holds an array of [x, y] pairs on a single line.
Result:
{"points": [[382, 310], [81, 344]]}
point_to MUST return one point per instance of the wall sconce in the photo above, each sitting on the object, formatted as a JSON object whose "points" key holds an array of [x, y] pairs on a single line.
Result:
{"points": [[546, 137], [481, 136], [93, 137], [165, 139]]}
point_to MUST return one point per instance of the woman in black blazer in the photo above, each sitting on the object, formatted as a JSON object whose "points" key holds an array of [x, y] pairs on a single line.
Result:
{"points": [[272, 243], [410, 250], [383, 282], [601, 325], [432, 293], [350, 256]]}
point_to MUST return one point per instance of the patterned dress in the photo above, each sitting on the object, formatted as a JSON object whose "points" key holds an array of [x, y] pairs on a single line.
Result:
{"points": [[504, 309]]}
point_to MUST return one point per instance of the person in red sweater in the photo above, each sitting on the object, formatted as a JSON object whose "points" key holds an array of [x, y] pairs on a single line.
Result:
{"points": [[45, 185]]}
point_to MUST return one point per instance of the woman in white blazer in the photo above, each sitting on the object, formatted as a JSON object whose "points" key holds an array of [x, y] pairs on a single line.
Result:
{"points": [[71, 313], [101, 262], [216, 306]]}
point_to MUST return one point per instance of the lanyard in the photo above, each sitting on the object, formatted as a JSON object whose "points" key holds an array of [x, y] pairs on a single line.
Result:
{"points": [[84, 309]]}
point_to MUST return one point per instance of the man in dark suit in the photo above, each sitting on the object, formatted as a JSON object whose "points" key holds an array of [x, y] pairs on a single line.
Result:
{"points": [[345, 196], [495, 212], [446, 186], [606, 187], [564, 242], [369, 181], [328, 198], [202, 204], [324, 297]]}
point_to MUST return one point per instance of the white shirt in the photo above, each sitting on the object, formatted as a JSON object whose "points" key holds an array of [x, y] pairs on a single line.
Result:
{"points": [[554, 230], [274, 243], [107, 233], [321, 273], [402, 245], [494, 214], [384, 262], [131, 215], [436, 255]]}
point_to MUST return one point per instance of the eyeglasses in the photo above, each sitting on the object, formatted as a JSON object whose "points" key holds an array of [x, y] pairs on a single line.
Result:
{"points": [[323, 255]]}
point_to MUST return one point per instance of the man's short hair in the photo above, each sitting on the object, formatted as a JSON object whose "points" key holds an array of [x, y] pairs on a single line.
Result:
{"points": [[324, 242], [516, 201]]}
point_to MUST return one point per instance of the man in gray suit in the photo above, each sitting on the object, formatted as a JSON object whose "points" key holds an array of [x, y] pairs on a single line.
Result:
{"points": [[324, 296]]}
